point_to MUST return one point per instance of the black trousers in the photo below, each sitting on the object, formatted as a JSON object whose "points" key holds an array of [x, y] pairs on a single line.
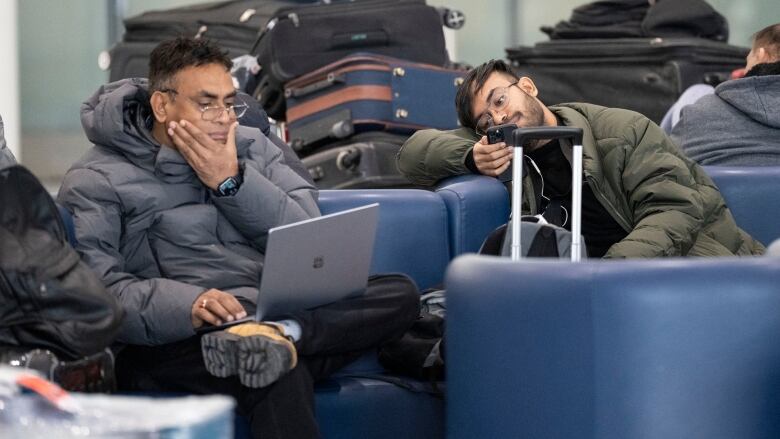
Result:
{"points": [[333, 336]]}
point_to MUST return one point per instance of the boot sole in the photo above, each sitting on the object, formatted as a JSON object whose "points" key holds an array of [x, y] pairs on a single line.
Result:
{"points": [[257, 360]]}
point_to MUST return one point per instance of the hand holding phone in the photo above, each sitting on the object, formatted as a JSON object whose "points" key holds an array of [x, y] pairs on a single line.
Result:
{"points": [[498, 134]]}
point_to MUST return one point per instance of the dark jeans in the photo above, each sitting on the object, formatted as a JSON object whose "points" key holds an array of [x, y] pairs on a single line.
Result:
{"points": [[333, 336]]}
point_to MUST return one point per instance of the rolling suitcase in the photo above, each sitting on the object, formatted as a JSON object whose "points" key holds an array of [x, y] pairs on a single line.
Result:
{"points": [[365, 161], [367, 92], [576, 244], [535, 237], [646, 75], [233, 24]]}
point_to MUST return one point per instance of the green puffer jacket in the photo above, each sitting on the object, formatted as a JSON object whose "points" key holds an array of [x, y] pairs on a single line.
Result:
{"points": [[665, 201]]}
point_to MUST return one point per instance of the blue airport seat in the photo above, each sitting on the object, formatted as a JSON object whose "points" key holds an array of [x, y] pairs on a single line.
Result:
{"points": [[476, 205], [412, 232], [412, 238], [753, 196], [674, 348]]}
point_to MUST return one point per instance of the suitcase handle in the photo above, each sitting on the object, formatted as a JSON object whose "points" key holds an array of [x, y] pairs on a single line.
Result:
{"points": [[520, 135], [328, 82]]}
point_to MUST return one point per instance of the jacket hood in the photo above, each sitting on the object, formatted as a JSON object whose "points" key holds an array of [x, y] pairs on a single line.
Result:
{"points": [[118, 116], [757, 97]]}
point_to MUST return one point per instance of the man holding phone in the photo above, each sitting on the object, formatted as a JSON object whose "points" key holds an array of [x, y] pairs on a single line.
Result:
{"points": [[641, 196]]}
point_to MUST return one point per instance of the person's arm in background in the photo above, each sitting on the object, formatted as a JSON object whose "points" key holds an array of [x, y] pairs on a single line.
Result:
{"points": [[6, 157]]}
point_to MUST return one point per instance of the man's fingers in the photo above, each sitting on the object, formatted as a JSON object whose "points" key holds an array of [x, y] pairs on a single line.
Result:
{"points": [[232, 306], [185, 139], [202, 139], [182, 140], [214, 307], [208, 316], [497, 154], [231, 137], [481, 149], [503, 168]]}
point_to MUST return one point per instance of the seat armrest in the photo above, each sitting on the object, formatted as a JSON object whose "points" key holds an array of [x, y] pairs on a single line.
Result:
{"points": [[476, 205]]}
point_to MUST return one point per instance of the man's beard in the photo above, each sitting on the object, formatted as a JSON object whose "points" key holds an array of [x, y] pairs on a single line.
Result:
{"points": [[532, 117]]}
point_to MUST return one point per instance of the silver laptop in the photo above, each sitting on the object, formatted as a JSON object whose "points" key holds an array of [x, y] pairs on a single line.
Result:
{"points": [[313, 263], [317, 261]]}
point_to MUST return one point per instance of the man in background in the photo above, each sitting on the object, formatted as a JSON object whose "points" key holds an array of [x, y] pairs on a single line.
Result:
{"points": [[739, 124]]}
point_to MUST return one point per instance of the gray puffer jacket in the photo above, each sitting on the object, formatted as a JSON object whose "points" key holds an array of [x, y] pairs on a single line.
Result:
{"points": [[739, 125], [154, 233], [6, 157]]}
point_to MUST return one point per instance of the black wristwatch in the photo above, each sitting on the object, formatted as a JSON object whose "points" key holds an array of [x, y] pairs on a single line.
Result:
{"points": [[230, 186]]}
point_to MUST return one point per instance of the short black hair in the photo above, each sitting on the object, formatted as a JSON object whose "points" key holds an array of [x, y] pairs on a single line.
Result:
{"points": [[472, 84], [769, 39], [172, 56]]}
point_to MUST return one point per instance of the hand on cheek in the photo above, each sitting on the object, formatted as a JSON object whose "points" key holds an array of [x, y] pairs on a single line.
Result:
{"points": [[211, 160]]}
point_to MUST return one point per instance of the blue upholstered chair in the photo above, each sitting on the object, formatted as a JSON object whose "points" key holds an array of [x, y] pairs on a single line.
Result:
{"points": [[753, 195], [476, 205], [676, 348], [412, 234]]}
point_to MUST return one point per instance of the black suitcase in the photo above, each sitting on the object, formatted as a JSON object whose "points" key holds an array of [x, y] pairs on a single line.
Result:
{"points": [[646, 75], [233, 24], [131, 59], [364, 161], [303, 38]]}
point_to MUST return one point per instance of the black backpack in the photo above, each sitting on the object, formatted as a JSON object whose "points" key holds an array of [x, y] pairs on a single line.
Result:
{"points": [[49, 299]]}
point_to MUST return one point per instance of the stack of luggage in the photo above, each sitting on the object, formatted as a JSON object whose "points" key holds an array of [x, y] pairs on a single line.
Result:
{"points": [[346, 81], [630, 54]]}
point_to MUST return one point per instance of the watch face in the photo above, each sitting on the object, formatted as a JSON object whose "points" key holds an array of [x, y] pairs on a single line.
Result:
{"points": [[228, 187]]}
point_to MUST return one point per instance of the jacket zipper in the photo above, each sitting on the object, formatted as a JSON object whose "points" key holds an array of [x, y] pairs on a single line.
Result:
{"points": [[332, 9]]}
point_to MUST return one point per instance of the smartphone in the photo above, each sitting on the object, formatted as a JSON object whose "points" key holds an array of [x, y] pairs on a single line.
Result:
{"points": [[498, 134]]}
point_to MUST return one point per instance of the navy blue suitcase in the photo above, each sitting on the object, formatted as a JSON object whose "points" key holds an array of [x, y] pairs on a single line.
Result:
{"points": [[366, 92]]}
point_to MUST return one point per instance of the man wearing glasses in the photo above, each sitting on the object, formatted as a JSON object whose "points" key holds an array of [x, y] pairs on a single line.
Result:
{"points": [[171, 208], [641, 197]]}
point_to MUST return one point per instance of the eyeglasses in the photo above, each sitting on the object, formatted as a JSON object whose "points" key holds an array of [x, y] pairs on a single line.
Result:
{"points": [[211, 113], [498, 102]]}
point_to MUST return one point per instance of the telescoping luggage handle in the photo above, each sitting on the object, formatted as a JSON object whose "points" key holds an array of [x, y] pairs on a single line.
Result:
{"points": [[519, 136]]}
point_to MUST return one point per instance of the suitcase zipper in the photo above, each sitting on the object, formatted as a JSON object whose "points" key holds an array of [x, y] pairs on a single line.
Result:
{"points": [[201, 31], [294, 18], [333, 9]]}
